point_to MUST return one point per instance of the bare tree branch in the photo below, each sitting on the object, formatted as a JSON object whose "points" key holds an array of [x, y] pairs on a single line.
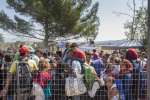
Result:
{"points": [[121, 13], [40, 34], [133, 21], [39, 30], [29, 36], [24, 35], [128, 5]]}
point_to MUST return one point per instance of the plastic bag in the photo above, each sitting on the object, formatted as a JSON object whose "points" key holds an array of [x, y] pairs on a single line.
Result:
{"points": [[94, 89], [37, 91], [74, 86]]}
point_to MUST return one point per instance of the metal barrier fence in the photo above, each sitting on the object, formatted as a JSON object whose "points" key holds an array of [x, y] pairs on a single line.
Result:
{"points": [[131, 86]]}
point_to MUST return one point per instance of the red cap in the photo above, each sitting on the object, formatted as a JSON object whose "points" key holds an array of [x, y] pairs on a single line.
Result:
{"points": [[24, 50]]}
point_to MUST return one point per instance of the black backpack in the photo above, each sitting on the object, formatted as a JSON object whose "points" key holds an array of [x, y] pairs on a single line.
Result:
{"points": [[23, 77]]}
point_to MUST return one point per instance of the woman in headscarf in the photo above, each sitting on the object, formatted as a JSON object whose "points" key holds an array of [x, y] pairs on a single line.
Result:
{"points": [[132, 56]]}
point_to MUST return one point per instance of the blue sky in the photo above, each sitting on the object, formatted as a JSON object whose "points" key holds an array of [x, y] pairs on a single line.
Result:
{"points": [[111, 25]]}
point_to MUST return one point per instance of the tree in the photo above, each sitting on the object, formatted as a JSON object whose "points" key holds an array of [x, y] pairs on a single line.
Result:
{"points": [[139, 26], [55, 17], [1, 38], [130, 25], [136, 28]]}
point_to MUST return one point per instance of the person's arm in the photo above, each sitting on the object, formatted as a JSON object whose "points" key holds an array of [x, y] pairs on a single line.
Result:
{"points": [[8, 82], [8, 79], [94, 73]]}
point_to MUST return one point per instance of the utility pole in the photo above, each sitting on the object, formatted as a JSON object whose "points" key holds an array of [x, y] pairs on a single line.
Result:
{"points": [[133, 21], [148, 52]]}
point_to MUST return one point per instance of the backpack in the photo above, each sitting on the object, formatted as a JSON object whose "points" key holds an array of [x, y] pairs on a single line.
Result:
{"points": [[23, 77]]}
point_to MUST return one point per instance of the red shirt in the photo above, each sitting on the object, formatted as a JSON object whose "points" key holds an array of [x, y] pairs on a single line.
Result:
{"points": [[42, 79], [79, 54]]}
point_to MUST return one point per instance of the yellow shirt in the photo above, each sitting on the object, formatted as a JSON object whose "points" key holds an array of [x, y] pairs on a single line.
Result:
{"points": [[32, 65]]}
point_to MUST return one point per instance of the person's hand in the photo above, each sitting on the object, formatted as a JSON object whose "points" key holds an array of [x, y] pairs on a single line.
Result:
{"points": [[3, 92], [101, 81]]}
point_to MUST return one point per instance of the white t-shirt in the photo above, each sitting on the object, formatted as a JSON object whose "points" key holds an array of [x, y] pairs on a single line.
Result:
{"points": [[116, 69]]}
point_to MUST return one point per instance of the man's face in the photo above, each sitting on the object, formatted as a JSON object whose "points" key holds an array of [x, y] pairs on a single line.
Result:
{"points": [[88, 57], [73, 49], [67, 45], [39, 54]]}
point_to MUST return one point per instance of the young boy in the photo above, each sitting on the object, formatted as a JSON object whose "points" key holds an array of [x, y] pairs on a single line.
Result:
{"points": [[113, 93]]}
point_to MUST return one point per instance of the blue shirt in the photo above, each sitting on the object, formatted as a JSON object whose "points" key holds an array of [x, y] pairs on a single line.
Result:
{"points": [[98, 66]]}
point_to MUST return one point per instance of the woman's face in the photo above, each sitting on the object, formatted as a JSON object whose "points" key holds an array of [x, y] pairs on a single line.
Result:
{"points": [[112, 61], [122, 65], [41, 62]]}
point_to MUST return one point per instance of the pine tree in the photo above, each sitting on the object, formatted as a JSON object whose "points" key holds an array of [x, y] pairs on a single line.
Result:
{"points": [[54, 17]]}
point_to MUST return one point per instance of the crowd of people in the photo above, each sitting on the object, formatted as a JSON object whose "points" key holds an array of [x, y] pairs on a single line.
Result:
{"points": [[72, 74]]}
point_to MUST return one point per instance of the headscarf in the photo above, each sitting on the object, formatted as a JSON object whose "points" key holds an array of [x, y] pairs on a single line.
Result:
{"points": [[131, 54]]}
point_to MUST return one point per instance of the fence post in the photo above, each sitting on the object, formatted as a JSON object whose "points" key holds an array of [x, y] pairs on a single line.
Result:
{"points": [[148, 52]]}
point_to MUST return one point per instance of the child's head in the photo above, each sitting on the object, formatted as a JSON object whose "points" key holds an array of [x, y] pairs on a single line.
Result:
{"points": [[117, 60], [109, 81], [126, 64], [88, 56], [44, 64], [109, 67]]}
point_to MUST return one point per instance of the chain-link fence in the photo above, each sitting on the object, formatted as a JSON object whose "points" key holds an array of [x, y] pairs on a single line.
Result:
{"points": [[59, 84]]}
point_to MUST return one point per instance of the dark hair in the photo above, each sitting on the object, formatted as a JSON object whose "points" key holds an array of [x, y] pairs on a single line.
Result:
{"points": [[1, 54], [113, 80], [88, 54], [8, 58], [45, 55], [59, 53], [48, 53], [73, 45], [67, 44], [21, 46], [94, 50], [40, 51]]}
